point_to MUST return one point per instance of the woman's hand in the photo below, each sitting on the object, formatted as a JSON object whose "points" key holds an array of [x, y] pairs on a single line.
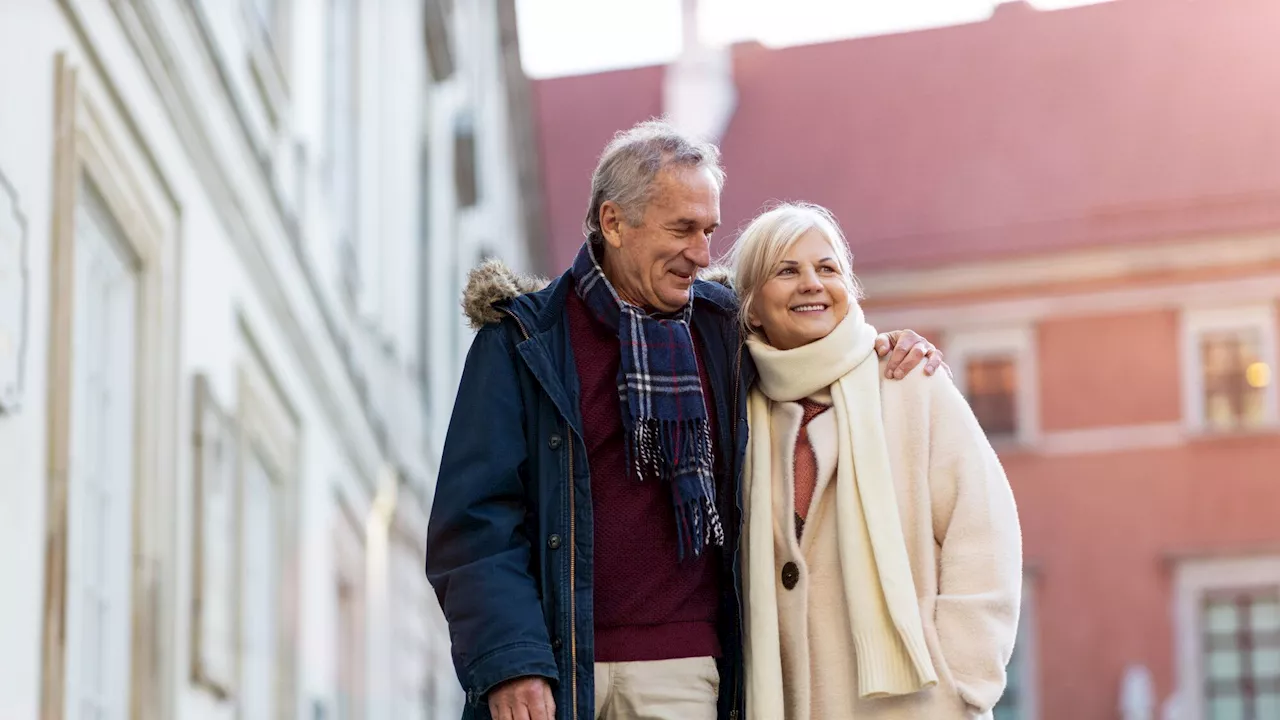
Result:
{"points": [[908, 348]]}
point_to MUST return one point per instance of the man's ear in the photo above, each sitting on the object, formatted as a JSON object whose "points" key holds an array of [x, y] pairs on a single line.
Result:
{"points": [[611, 221]]}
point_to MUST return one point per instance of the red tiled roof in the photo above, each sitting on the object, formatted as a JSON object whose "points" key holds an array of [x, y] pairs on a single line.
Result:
{"points": [[1120, 122]]}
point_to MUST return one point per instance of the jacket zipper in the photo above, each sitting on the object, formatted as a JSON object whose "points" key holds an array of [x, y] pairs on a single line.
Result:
{"points": [[737, 596], [573, 555]]}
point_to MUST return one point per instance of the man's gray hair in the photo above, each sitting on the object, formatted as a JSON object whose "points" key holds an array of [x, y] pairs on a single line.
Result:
{"points": [[633, 159]]}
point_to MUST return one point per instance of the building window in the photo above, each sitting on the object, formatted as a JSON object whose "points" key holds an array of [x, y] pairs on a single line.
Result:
{"points": [[342, 139], [260, 601], [466, 184], [265, 12], [1228, 357], [438, 38], [350, 577], [101, 477], [1011, 705], [350, 650], [408, 594], [112, 402], [996, 371], [1228, 621], [424, 273], [1235, 378], [268, 567], [1019, 699], [1242, 653], [992, 384], [268, 23]]}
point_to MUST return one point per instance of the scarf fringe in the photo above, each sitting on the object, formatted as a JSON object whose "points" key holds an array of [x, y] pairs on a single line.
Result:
{"points": [[681, 451]]}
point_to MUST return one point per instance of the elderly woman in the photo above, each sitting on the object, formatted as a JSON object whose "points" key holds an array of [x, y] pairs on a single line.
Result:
{"points": [[883, 553]]}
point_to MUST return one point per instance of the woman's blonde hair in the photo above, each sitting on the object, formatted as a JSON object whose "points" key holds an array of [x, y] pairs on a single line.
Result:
{"points": [[765, 242]]}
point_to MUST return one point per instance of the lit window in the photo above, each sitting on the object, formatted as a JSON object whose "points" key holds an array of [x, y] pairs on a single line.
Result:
{"points": [[1228, 356], [1235, 379]]}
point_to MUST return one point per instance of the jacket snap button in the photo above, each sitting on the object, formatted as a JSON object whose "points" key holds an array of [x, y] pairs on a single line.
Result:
{"points": [[790, 575], [553, 542], [554, 442], [556, 644]]}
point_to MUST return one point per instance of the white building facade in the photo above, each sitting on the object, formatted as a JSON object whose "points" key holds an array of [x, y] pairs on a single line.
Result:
{"points": [[233, 236]]}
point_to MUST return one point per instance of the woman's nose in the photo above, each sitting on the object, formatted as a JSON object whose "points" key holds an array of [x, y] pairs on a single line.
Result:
{"points": [[809, 281]]}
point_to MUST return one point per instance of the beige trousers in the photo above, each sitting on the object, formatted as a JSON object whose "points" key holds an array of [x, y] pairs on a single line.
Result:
{"points": [[684, 689]]}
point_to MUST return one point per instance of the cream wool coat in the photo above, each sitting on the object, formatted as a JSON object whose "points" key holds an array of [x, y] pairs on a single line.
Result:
{"points": [[963, 543]]}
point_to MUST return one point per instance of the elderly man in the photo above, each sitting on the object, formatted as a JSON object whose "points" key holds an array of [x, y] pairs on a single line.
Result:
{"points": [[583, 539]]}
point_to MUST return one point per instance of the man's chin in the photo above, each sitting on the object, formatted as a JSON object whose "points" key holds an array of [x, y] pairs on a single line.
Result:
{"points": [[673, 300]]}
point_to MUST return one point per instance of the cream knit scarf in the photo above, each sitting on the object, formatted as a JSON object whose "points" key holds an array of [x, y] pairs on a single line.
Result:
{"points": [[892, 657]]}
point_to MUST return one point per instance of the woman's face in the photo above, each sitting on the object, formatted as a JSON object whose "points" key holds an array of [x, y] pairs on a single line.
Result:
{"points": [[805, 296]]}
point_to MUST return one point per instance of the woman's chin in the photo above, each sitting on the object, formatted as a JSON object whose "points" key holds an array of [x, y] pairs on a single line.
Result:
{"points": [[815, 328]]}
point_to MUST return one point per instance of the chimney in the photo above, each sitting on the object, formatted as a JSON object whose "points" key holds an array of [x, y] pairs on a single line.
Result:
{"points": [[698, 95]]}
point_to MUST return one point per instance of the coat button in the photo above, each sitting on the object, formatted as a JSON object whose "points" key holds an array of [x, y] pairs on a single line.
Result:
{"points": [[553, 542], [790, 575], [556, 644], [554, 442]]}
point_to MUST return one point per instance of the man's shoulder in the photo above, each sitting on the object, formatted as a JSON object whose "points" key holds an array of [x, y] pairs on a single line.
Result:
{"points": [[713, 289]]}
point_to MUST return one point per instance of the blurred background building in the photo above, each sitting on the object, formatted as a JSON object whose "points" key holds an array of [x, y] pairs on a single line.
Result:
{"points": [[1082, 207], [232, 239], [233, 236]]}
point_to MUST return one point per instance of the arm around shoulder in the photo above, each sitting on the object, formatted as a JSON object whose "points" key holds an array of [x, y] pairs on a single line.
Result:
{"points": [[975, 522], [478, 549]]}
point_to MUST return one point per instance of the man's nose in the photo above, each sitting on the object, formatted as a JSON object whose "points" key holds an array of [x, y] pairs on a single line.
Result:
{"points": [[699, 253]]}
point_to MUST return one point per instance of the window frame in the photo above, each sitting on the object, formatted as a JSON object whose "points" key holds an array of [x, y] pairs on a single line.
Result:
{"points": [[1019, 342], [1193, 579], [268, 44], [1195, 323], [269, 429], [341, 143], [95, 140], [216, 510], [350, 574]]}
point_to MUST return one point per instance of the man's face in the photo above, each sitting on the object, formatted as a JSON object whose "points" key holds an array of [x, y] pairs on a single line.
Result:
{"points": [[653, 265]]}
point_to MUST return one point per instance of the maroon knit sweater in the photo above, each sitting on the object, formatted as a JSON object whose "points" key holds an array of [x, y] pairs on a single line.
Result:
{"points": [[648, 604]]}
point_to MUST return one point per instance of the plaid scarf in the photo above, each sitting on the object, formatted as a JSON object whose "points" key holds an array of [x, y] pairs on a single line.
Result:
{"points": [[664, 416]]}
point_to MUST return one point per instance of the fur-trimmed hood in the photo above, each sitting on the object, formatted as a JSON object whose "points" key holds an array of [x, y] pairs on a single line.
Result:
{"points": [[492, 282]]}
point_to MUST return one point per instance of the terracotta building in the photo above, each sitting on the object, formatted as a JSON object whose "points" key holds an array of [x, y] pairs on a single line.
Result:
{"points": [[1083, 208]]}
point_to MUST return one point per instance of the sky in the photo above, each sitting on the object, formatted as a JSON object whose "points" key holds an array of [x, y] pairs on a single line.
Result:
{"points": [[568, 37]]}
